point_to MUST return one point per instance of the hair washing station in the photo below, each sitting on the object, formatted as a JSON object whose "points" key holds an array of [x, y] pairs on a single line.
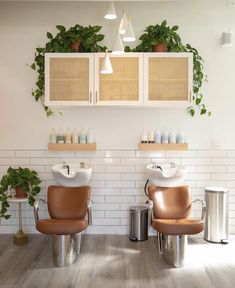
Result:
{"points": [[70, 212], [170, 209]]}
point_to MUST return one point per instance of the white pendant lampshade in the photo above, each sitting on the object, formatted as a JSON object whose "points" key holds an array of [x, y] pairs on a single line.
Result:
{"points": [[111, 12], [129, 35], [118, 45], [106, 67], [123, 24]]}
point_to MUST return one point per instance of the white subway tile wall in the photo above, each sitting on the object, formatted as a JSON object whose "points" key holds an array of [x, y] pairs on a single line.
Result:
{"points": [[118, 181]]}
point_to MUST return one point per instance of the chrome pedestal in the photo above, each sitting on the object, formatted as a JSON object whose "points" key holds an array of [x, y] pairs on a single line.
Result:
{"points": [[65, 249], [173, 248]]}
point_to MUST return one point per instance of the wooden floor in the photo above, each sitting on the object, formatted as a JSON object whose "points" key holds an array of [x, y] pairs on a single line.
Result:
{"points": [[114, 262]]}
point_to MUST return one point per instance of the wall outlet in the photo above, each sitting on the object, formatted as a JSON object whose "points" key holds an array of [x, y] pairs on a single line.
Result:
{"points": [[231, 3]]}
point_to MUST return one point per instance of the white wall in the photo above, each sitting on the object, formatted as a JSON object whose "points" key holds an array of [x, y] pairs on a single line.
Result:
{"points": [[23, 26], [119, 175]]}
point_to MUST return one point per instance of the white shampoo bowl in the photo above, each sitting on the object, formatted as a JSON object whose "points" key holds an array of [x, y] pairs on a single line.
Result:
{"points": [[77, 176], [171, 175]]}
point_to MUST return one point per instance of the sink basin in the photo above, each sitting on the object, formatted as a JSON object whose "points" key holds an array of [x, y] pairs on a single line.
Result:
{"points": [[166, 174], [76, 176]]}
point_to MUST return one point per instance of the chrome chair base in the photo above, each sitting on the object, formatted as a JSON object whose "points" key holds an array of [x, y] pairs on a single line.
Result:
{"points": [[173, 249], [66, 249]]}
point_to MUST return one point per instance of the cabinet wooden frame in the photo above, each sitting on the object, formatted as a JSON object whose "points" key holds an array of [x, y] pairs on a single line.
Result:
{"points": [[90, 80], [189, 80], [140, 85]]}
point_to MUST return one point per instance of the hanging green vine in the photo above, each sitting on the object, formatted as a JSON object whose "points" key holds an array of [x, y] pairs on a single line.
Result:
{"points": [[75, 39], [165, 35]]}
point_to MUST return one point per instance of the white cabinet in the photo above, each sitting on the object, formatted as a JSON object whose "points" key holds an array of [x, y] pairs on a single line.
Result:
{"points": [[138, 79], [69, 79], [125, 85], [168, 79]]}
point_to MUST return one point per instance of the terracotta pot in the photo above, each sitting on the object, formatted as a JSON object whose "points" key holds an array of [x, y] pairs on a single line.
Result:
{"points": [[161, 47], [20, 192], [75, 46]]}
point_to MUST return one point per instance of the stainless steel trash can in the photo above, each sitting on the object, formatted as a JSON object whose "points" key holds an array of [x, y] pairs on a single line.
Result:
{"points": [[138, 223], [216, 228]]}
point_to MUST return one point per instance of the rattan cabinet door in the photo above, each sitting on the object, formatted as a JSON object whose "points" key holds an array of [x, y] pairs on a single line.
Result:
{"points": [[125, 85], [168, 78], [69, 79]]}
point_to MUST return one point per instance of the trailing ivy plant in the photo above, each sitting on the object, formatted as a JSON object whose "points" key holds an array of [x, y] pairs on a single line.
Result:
{"points": [[88, 38], [155, 34]]}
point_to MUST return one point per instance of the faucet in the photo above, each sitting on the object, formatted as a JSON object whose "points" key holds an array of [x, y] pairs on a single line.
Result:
{"points": [[66, 167]]}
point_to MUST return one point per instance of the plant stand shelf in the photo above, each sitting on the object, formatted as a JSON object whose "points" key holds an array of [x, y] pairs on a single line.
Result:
{"points": [[71, 147], [161, 146]]}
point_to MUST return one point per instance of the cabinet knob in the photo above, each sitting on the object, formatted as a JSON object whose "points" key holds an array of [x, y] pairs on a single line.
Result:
{"points": [[96, 96]]}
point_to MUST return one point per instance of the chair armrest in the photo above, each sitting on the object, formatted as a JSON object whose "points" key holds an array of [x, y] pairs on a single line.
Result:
{"points": [[150, 212], [36, 208], [89, 210], [203, 204]]}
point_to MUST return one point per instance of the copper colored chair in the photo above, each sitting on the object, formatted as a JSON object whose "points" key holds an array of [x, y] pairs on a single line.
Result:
{"points": [[171, 208], [70, 212]]}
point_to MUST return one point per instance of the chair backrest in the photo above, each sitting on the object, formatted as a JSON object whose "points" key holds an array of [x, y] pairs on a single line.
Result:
{"points": [[170, 202], [68, 202]]}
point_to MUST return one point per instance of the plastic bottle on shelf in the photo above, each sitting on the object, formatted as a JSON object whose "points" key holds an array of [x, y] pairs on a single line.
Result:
{"points": [[53, 137], [164, 137], [90, 137], [60, 137], [68, 137], [75, 136], [172, 137], [180, 137], [82, 137], [144, 137], [157, 137], [150, 136]]}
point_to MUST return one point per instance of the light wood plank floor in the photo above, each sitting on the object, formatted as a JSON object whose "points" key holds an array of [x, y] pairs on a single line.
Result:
{"points": [[114, 262]]}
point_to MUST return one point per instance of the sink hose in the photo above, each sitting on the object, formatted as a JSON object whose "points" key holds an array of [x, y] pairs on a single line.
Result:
{"points": [[145, 188]]}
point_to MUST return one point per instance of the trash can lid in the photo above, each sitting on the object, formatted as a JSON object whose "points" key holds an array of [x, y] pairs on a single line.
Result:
{"points": [[216, 190], [139, 208]]}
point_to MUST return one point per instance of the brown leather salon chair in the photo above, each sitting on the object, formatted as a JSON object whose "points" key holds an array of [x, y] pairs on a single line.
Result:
{"points": [[171, 208], [70, 212]]}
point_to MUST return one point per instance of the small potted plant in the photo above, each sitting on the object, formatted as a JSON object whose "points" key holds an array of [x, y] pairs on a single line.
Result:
{"points": [[160, 38], [24, 181]]}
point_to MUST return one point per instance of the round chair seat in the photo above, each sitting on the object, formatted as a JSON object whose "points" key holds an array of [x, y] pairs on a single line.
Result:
{"points": [[185, 226], [60, 226]]}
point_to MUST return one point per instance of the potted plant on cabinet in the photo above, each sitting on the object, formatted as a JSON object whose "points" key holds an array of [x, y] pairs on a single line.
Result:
{"points": [[160, 38], [24, 181]]}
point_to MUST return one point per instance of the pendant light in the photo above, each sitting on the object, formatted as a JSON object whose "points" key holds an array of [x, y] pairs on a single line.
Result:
{"points": [[118, 45], [129, 35], [123, 24], [111, 12], [106, 67]]}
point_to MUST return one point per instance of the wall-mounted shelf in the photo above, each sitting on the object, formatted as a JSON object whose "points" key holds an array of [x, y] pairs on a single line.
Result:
{"points": [[169, 146], [71, 147]]}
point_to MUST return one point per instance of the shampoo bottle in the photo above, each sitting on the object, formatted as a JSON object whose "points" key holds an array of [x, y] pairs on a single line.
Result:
{"points": [[68, 137], [90, 137], [164, 137], [75, 136], [172, 137], [180, 137], [53, 136], [60, 137], [144, 137], [157, 137], [82, 137], [150, 137]]}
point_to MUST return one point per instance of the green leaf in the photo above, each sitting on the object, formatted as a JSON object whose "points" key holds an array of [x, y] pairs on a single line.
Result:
{"points": [[61, 28], [33, 66], [49, 35]]}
